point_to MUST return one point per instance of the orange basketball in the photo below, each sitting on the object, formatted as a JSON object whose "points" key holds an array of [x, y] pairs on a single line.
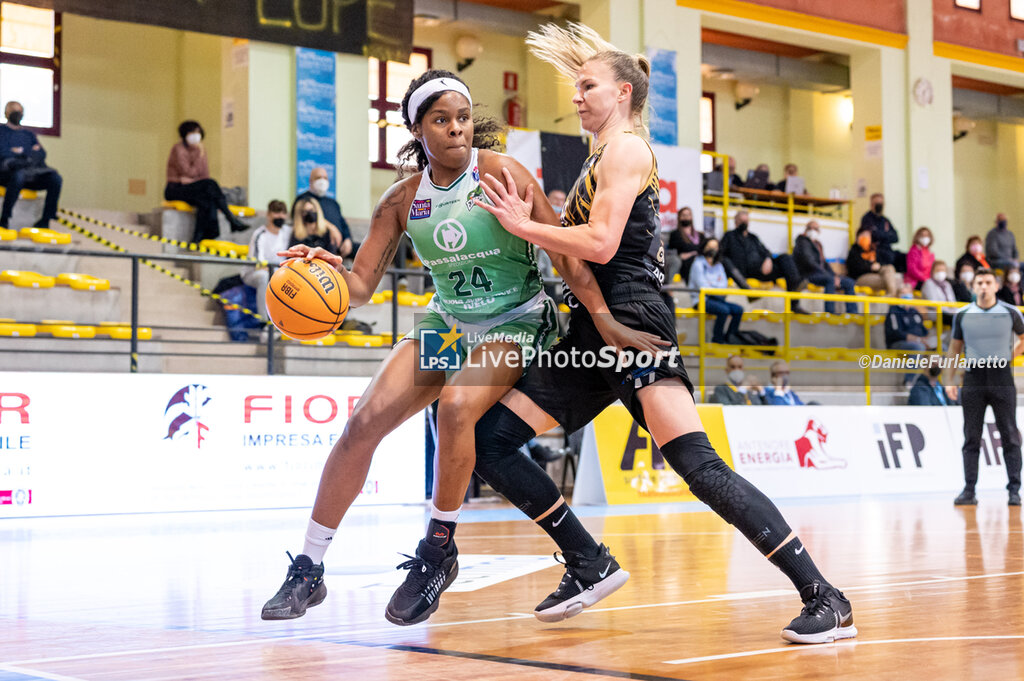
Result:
{"points": [[307, 300]]}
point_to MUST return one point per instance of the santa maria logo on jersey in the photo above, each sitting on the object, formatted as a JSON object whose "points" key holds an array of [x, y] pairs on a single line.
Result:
{"points": [[450, 236], [420, 209], [184, 415]]}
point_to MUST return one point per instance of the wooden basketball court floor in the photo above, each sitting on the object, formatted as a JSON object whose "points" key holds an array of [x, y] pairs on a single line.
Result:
{"points": [[937, 594]]}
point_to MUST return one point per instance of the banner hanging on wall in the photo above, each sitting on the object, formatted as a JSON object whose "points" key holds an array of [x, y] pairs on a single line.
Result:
{"points": [[315, 115], [74, 444]]}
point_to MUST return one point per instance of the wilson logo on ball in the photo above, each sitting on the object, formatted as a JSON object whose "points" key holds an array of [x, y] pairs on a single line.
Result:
{"points": [[324, 279]]}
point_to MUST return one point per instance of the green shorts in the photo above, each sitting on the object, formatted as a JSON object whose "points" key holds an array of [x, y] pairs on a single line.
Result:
{"points": [[530, 325]]}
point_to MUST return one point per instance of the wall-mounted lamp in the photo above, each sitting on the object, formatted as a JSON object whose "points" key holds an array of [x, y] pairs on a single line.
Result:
{"points": [[467, 49], [846, 111], [961, 126], [745, 93]]}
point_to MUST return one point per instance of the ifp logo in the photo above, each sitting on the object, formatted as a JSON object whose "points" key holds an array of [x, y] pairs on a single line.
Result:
{"points": [[184, 414]]}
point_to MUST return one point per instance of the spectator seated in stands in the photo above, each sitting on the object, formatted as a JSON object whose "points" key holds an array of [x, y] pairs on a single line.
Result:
{"points": [[266, 242], [904, 328], [188, 180], [746, 252], [862, 264], [734, 179], [556, 197], [319, 185], [920, 259], [962, 285], [928, 391], [791, 182], [708, 272], [759, 177], [810, 261], [884, 233], [1011, 290], [1001, 245], [737, 390], [974, 255], [778, 393], [939, 288], [23, 166], [309, 227], [686, 241]]}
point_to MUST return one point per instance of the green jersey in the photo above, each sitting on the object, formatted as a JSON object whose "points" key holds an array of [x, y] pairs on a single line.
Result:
{"points": [[479, 269]]}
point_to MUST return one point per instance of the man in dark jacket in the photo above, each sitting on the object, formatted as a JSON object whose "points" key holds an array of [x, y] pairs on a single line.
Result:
{"points": [[810, 262], [1001, 245], [885, 234], [928, 390], [23, 166], [753, 260], [904, 328]]}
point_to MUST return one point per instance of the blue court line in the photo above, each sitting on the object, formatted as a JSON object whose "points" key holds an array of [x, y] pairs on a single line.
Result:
{"points": [[17, 676]]}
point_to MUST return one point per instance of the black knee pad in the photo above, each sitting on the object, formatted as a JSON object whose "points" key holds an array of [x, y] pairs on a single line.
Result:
{"points": [[500, 434]]}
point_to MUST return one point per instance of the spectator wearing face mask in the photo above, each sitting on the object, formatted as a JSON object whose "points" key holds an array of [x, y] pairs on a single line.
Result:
{"points": [[737, 390], [779, 392], [885, 235], [188, 180], [920, 259], [686, 241], [309, 227], [974, 255], [266, 242], [939, 289], [556, 197], [962, 285], [904, 327], [928, 391], [1001, 245], [1011, 289], [810, 261], [341, 236], [862, 264], [23, 166], [753, 260], [708, 272]]}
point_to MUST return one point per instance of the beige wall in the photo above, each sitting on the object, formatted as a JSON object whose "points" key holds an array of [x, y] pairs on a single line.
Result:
{"points": [[987, 174], [123, 97]]}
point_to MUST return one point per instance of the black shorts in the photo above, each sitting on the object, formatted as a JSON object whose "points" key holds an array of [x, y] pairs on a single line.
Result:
{"points": [[574, 395]]}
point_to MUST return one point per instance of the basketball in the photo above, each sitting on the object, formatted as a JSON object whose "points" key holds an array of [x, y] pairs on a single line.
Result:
{"points": [[307, 300]]}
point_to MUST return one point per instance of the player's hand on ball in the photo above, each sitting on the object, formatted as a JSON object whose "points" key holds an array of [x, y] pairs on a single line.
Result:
{"points": [[306, 253], [510, 210], [620, 336]]}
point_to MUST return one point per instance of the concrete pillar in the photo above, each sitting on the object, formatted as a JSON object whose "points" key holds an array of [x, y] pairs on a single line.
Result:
{"points": [[271, 123], [352, 188]]}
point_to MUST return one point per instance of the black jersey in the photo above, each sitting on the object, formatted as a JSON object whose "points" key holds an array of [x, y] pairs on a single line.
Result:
{"points": [[638, 265]]}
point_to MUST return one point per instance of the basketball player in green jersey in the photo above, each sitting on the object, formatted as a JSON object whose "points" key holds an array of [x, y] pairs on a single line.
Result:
{"points": [[488, 288]]}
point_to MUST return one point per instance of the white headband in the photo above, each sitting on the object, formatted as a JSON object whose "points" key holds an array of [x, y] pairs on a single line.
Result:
{"points": [[432, 87]]}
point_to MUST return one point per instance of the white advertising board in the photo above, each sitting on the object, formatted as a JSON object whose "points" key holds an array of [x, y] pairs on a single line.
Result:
{"points": [[121, 443]]}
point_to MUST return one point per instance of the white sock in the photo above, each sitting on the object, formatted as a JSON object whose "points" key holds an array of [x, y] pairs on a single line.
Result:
{"points": [[447, 516], [318, 538]]}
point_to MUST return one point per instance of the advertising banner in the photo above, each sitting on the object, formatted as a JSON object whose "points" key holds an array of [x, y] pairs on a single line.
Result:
{"points": [[681, 182], [75, 444], [315, 114]]}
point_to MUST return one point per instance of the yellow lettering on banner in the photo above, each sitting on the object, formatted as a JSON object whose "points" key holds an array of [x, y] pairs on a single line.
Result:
{"points": [[872, 133], [311, 27], [267, 21], [633, 469], [336, 13]]}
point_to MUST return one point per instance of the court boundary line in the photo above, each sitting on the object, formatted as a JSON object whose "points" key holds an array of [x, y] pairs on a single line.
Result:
{"points": [[839, 645], [36, 674], [721, 598]]}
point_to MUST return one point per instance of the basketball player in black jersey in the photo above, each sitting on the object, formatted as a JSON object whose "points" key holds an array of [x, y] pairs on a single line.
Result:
{"points": [[611, 221]]}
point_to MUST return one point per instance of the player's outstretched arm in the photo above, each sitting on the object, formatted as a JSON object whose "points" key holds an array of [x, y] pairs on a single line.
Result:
{"points": [[623, 170]]}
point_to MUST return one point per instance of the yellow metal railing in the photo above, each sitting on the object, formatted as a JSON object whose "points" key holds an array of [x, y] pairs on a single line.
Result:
{"points": [[792, 206], [785, 349]]}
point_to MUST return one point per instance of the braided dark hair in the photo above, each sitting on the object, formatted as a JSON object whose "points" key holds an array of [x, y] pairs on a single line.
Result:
{"points": [[487, 131]]}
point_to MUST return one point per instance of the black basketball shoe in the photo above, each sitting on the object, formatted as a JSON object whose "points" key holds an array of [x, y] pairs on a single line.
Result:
{"points": [[827, 616], [431, 572], [1014, 499], [966, 498], [585, 582], [303, 588]]}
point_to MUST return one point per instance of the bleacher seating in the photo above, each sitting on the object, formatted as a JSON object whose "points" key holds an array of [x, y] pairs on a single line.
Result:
{"points": [[29, 208], [177, 222]]}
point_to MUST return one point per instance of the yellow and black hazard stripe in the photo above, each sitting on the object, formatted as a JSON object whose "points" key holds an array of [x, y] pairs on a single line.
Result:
{"points": [[188, 245], [163, 270]]}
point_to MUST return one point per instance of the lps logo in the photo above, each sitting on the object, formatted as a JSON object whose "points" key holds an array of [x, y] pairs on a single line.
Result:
{"points": [[894, 438], [450, 236], [185, 410], [810, 448], [440, 350]]}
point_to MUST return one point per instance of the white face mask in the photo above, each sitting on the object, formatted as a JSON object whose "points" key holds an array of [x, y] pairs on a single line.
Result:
{"points": [[1013, 277], [925, 240], [193, 138], [939, 276], [736, 376], [320, 186], [812, 234], [967, 277]]}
